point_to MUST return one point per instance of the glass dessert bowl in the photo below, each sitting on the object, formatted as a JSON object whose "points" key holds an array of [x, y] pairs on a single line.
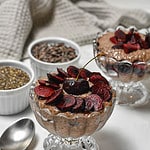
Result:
{"points": [[123, 55], [72, 105]]}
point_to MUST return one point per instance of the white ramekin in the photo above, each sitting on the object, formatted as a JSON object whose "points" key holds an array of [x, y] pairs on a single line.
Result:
{"points": [[15, 100], [41, 68]]}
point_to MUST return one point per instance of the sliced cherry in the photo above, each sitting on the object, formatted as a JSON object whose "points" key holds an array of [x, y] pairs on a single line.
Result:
{"points": [[120, 35], [103, 90], [78, 107], [89, 105], [129, 34], [129, 47], [54, 85], [73, 71], [76, 87], [84, 73], [52, 77], [62, 73], [50, 84], [43, 91], [43, 82], [55, 96], [95, 77], [130, 41], [94, 100], [113, 40], [67, 102], [136, 38]]}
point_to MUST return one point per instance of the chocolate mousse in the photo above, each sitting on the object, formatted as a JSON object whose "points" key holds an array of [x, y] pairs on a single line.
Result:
{"points": [[126, 53], [135, 48], [73, 103]]}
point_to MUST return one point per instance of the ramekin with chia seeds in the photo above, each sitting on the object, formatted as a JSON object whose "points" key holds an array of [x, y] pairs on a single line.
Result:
{"points": [[15, 82]]}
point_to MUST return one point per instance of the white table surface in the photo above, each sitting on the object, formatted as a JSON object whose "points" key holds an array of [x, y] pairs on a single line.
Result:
{"points": [[127, 129]]}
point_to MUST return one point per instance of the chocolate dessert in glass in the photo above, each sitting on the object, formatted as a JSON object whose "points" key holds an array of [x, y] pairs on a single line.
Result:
{"points": [[72, 105], [123, 55]]}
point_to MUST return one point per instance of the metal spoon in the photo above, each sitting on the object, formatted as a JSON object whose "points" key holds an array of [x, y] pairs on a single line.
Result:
{"points": [[18, 136]]}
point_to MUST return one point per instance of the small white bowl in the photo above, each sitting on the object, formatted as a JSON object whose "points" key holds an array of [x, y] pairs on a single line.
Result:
{"points": [[41, 68], [13, 101]]}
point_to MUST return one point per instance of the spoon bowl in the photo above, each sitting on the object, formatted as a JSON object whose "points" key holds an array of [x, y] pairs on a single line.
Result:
{"points": [[18, 136]]}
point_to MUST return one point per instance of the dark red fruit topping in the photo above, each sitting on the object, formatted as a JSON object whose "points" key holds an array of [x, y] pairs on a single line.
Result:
{"points": [[130, 41], [103, 90], [95, 77], [50, 84], [84, 73], [129, 47], [43, 91], [89, 105], [66, 103], [56, 95], [120, 36], [55, 78], [114, 40], [93, 101], [43, 82], [62, 73], [68, 90], [73, 71], [79, 106], [76, 87]]}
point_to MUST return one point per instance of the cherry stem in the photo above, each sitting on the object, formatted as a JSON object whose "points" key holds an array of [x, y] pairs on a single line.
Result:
{"points": [[100, 54]]}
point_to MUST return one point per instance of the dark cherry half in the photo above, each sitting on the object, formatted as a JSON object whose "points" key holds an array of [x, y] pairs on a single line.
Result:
{"points": [[76, 87], [96, 77], [73, 71], [48, 83], [79, 106], [43, 91], [66, 103], [53, 77], [55, 96], [93, 101]]}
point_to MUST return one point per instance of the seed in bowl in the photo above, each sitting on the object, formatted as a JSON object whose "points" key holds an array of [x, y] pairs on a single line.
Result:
{"points": [[53, 53], [12, 78]]}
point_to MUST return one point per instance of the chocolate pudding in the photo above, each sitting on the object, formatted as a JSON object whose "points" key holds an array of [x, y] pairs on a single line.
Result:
{"points": [[126, 54], [106, 46], [73, 103]]}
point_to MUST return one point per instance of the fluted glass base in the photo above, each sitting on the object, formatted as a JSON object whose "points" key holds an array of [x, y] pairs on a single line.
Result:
{"points": [[53, 142], [133, 93]]}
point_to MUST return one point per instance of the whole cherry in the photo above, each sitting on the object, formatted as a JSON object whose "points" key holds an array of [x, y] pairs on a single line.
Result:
{"points": [[76, 87]]}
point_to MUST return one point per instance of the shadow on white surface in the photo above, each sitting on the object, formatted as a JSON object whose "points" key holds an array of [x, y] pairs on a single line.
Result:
{"points": [[111, 140]]}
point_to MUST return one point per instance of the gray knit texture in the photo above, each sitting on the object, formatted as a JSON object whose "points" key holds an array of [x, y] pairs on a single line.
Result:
{"points": [[22, 21]]}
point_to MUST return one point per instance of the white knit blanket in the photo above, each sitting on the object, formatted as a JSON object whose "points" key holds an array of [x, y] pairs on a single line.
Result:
{"points": [[22, 21]]}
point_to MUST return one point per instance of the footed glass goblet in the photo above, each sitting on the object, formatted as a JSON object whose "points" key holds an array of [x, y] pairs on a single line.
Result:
{"points": [[123, 54], [67, 130]]}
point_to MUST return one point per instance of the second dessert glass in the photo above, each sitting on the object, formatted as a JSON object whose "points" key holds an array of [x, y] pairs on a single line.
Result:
{"points": [[126, 74]]}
